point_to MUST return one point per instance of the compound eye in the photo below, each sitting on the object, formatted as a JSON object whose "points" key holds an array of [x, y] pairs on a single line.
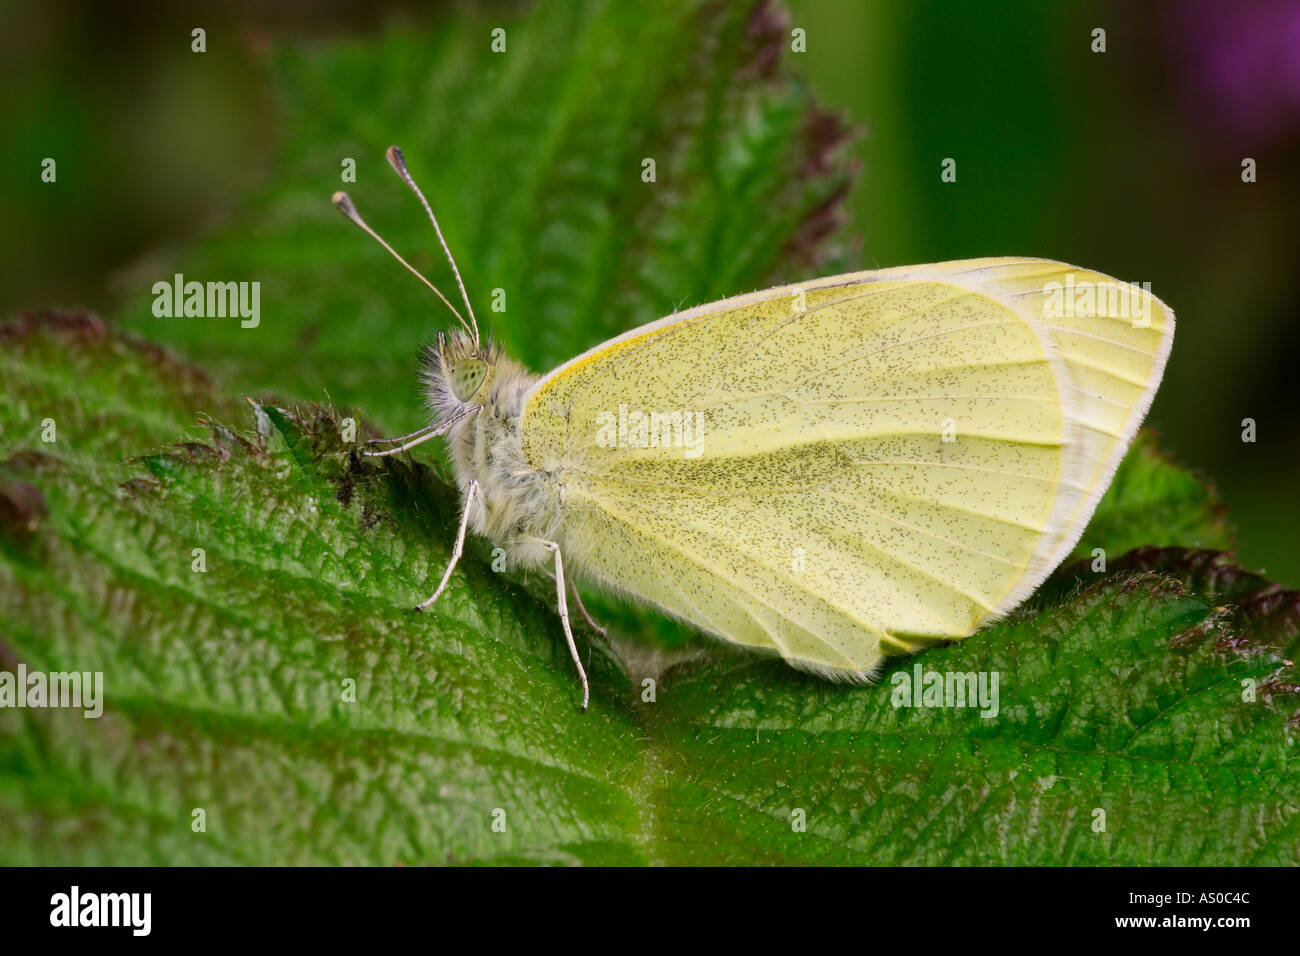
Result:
{"points": [[466, 377]]}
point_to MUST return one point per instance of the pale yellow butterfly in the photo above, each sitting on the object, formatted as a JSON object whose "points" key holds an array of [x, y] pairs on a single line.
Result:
{"points": [[835, 471]]}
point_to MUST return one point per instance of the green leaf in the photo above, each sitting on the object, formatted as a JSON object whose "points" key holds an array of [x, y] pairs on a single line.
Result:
{"points": [[1141, 694], [1121, 707], [225, 687]]}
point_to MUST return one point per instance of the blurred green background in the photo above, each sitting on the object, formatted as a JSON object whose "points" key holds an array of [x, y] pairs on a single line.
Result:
{"points": [[1127, 161]]}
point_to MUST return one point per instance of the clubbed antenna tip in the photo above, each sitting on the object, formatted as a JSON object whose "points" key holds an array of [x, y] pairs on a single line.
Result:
{"points": [[343, 203], [398, 162]]}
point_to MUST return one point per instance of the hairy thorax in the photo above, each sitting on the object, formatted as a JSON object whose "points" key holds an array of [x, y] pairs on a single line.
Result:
{"points": [[519, 508]]}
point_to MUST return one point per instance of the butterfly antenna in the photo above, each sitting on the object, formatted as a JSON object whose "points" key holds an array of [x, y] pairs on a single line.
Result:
{"points": [[343, 203], [396, 160]]}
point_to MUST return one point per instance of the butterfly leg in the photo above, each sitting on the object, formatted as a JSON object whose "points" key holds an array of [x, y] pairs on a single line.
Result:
{"points": [[562, 600], [417, 437], [582, 608], [472, 491]]}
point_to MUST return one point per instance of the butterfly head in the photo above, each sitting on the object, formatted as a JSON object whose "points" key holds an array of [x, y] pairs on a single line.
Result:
{"points": [[457, 371]]}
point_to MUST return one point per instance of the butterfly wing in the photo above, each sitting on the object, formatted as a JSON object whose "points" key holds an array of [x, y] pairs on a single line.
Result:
{"points": [[850, 467]]}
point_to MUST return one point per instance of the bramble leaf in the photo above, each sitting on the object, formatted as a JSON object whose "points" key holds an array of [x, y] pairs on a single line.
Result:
{"points": [[286, 690]]}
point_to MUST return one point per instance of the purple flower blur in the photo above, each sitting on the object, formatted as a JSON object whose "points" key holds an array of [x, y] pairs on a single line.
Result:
{"points": [[1243, 63]]}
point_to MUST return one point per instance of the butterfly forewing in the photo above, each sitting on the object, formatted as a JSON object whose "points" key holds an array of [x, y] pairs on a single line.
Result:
{"points": [[847, 468]]}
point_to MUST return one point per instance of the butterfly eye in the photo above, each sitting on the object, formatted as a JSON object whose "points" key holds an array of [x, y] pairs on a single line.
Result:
{"points": [[466, 377]]}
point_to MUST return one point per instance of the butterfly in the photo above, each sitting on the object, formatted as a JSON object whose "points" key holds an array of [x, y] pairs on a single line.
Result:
{"points": [[834, 471]]}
